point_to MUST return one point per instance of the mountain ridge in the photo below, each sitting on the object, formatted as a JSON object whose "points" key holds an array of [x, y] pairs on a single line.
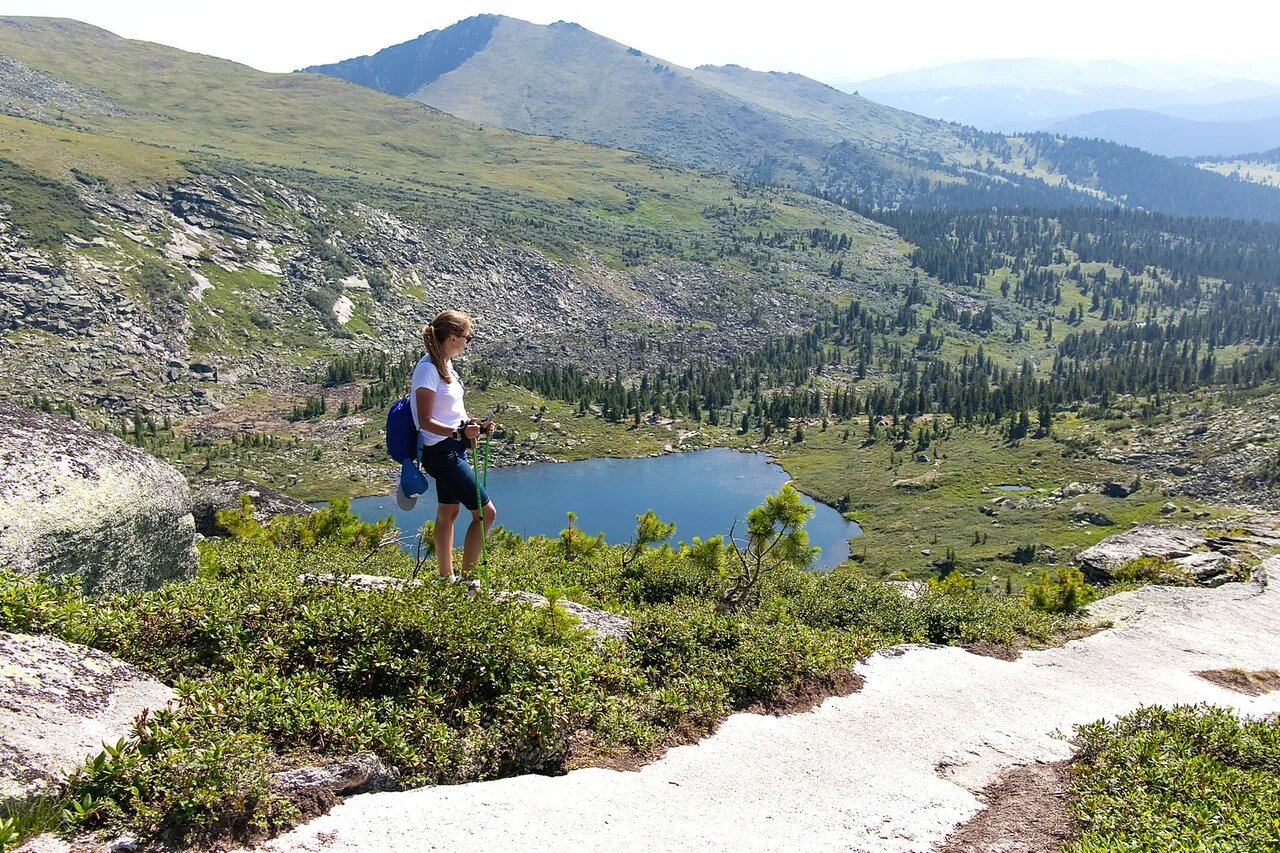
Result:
{"points": [[783, 128], [406, 76], [1031, 95], [1170, 136]]}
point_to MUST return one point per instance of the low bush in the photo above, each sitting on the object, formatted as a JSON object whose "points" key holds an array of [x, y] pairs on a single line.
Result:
{"points": [[161, 283], [273, 671], [1068, 593], [1190, 778]]}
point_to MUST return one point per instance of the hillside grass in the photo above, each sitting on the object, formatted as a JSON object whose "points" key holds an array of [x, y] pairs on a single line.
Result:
{"points": [[43, 210], [906, 506], [56, 151], [196, 112]]}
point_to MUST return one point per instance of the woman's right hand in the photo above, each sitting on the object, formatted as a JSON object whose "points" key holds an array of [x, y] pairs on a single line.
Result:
{"points": [[472, 432]]}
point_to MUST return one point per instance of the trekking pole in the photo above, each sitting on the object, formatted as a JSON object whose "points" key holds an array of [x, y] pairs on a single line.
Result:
{"points": [[475, 470]]}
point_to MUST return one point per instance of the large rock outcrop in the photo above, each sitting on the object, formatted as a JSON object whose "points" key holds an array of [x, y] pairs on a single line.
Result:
{"points": [[58, 704], [1191, 556], [77, 502]]}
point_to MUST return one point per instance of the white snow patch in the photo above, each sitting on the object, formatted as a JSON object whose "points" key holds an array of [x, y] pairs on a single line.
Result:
{"points": [[202, 284], [342, 309]]}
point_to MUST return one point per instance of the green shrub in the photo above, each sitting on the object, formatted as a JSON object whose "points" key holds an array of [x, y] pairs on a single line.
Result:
{"points": [[32, 606], [844, 600], [162, 284], [175, 778], [45, 210], [720, 662], [1067, 594], [334, 524], [448, 688], [952, 583], [1188, 779], [577, 545], [1152, 570], [971, 617]]}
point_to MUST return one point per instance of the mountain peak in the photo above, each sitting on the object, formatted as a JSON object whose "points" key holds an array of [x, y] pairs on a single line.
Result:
{"points": [[404, 68]]}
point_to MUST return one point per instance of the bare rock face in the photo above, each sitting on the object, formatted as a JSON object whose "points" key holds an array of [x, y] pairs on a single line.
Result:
{"points": [[58, 704], [207, 499], [76, 502], [1192, 557], [1099, 561], [315, 790]]}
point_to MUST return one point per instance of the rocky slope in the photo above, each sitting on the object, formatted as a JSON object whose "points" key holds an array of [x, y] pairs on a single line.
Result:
{"points": [[1221, 451], [251, 282]]}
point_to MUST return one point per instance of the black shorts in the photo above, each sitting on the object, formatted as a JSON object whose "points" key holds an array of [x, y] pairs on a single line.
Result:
{"points": [[446, 463]]}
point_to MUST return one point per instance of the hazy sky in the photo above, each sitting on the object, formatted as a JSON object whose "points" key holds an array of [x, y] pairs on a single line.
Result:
{"points": [[831, 41]]}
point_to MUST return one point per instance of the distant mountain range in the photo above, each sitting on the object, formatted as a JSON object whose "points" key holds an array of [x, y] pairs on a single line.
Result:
{"points": [[1180, 110], [1027, 94], [1174, 137], [563, 80]]}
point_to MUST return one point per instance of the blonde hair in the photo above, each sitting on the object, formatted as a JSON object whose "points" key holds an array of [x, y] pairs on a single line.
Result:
{"points": [[435, 333]]}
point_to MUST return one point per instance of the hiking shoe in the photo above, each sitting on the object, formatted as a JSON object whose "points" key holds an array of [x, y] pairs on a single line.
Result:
{"points": [[471, 586]]}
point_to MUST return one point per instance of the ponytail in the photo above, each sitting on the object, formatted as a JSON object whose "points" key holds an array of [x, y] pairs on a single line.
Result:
{"points": [[445, 324]]}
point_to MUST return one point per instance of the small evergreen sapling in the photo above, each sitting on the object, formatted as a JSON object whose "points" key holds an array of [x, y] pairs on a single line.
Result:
{"points": [[775, 537]]}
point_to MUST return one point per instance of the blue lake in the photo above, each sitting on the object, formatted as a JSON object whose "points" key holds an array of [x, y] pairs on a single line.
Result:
{"points": [[702, 492]]}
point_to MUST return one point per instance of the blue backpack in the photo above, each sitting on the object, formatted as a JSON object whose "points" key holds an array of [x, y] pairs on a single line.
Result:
{"points": [[402, 433], [402, 446]]}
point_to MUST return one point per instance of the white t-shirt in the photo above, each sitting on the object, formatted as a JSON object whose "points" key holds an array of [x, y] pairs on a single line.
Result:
{"points": [[447, 405]]}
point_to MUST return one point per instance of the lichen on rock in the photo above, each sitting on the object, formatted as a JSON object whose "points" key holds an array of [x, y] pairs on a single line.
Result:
{"points": [[79, 503], [59, 703]]}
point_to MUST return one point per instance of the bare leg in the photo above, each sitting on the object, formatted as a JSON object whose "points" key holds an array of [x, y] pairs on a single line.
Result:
{"points": [[471, 545], [446, 514]]}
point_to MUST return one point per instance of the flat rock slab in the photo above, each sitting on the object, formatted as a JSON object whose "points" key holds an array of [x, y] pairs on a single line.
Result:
{"points": [[1100, 560], [1209, 560], [602, 623], [893, 768], [59, 703]]}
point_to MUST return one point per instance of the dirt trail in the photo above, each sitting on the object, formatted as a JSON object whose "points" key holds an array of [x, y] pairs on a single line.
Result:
{"points": [[891, 768]]}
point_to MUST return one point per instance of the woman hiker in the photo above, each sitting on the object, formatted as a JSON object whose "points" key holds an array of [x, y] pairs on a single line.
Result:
{"points": [[447, 432]]}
